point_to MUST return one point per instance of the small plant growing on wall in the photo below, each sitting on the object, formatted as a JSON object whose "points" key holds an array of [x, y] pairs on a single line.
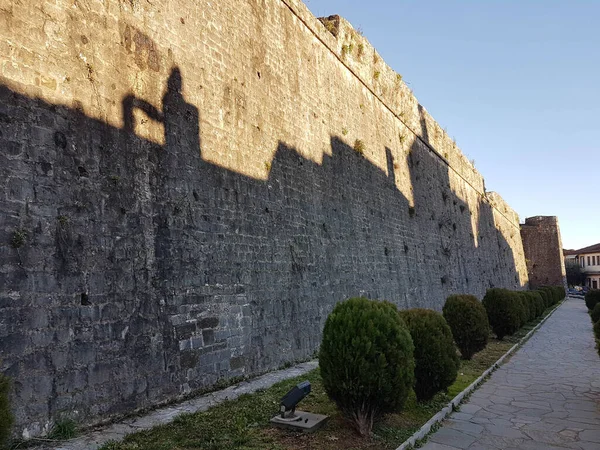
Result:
{"points": [[18, 239], [344, 131], [359, 147], [376, 75], [63, 220], [360, 50], [347, 49], [63, 429], [330, 26]]}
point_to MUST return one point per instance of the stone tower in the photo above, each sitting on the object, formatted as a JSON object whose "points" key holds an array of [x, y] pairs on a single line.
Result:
{"points": [[543, 251]]}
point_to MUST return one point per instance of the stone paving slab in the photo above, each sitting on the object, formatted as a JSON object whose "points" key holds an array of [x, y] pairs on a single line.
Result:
{"points": [[116, 432], [546, 397]]}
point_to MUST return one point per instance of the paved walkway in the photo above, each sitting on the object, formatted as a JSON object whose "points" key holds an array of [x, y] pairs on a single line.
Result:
{"points": [[547, 396]]}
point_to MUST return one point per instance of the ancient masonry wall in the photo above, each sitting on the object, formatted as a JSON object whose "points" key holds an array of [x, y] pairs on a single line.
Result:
{"points": [[189, 187], [543, 251]]}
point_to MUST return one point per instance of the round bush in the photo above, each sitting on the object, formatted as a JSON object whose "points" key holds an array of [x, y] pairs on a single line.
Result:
{"points": [[545, 297], [595, 314], [366, 360], [540, 306], [469, 323], [524, 313], [597, 334], [533, 304], [504, 311], [550, 293], [592, 298], [436, 360], [6, 417], [557, 293], [560, 292], [528, 305]]}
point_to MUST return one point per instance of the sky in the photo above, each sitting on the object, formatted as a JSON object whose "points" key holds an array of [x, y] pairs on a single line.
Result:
{"points": [[514, 82]]}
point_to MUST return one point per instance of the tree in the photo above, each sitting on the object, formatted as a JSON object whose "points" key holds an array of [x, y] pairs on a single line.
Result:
{"points": [[366, 360], [575, 276]]}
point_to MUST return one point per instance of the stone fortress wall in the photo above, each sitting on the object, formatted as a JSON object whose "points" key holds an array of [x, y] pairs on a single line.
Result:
{"points": [[189, 188], [542, 245]]}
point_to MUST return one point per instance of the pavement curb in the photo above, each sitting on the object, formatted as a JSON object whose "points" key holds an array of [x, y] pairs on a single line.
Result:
{"points": [[449, 408]]}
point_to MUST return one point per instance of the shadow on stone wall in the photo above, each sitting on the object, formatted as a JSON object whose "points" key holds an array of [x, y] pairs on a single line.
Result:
{"points": [[148, 273]]}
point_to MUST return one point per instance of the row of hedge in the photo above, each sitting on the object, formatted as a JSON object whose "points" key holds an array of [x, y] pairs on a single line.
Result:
{"points": [[592, 301], [372, 355], [508, 310]]}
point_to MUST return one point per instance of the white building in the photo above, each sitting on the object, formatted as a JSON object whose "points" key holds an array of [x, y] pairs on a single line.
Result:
{"points": [[588, 259]]}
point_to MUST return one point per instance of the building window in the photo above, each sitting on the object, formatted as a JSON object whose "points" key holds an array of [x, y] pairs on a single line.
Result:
{"points": [[582, 261], [588, 260], [594, 260]]}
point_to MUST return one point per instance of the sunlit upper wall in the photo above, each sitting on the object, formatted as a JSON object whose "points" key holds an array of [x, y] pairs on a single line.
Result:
{"points": [[259, 72]]}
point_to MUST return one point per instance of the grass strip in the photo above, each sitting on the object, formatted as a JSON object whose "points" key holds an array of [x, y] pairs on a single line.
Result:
{"points": [[244, 423]]}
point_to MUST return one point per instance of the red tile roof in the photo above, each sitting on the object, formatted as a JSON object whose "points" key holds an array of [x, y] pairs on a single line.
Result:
{"points": [[590, 249]]}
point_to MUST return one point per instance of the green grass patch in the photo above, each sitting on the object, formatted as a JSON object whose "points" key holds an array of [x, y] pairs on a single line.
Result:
{"points": [[244, 423]]}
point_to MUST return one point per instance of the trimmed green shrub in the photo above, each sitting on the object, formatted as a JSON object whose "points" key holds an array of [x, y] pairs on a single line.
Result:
{"points": [[6, 417], [469, 323], [436, 360], [366, 360], [504, 310], [545, 297], [557, 293], [592, 298], [561, 293], [551, 294], [540, 306], [597, 334], [528, 305], [595, 313], [524, 308]]}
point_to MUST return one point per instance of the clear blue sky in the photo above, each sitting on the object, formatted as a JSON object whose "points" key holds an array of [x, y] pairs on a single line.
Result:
{"points": [[514, 82]]}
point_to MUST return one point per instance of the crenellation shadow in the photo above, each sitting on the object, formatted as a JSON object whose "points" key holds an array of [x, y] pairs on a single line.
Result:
{"points": [[169, 272], [466, 263]]}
